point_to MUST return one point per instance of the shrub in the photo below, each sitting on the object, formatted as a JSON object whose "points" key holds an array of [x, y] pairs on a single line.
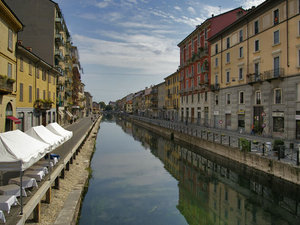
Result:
{"points": [[245, 145]]}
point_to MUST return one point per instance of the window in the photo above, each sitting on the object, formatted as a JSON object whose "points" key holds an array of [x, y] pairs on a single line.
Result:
{"points": [[198, 80], [44, 94], [216, 49], [198, 40], [198, 68], [205, 96], [9, 70], [241, 52], [216, 79], [187, 99], [256, 27], [276, 37], [21, 92], [256, 69], [277, 96], [257, 98], [49, 78], [228, 99], [276, 17], [205, 33], [256, 45], [241, 97], [228, 57], [10, 40], [44, 75], [276, 66], [192, 98], [228, 77], [49, 95], [278, 124], [192, 72], [37, 93], [241, 35], [198, 97], [30, 93], [21, 64], [216, 62], [192, 45], [217, 99], [53, 98], [228, 42], [37, 73], [30, 68], [241, 77]]}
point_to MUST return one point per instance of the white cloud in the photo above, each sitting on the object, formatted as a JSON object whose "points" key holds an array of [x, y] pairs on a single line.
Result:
{"points": [[177, 8], [249, 3], [191, 10], [147, 54], [103, 4]]}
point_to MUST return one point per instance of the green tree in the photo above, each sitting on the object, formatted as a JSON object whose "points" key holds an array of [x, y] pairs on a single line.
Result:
{"points": [[102, 105], [108, 108]]}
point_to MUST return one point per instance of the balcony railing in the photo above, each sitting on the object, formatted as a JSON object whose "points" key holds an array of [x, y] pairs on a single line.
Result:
{"points": [[59, 22], [41, 105], [6, 85], [266, 76], [59, 39], [215, 87]]}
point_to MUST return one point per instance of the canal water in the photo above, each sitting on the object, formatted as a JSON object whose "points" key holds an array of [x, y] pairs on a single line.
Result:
{"points": [[142, 178]]}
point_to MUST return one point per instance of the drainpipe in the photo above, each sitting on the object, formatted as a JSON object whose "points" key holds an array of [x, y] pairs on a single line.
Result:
{"points": [[287, 34]]}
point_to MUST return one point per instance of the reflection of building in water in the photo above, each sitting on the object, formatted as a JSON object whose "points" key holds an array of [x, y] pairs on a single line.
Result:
{"points": [[212, 194], [219, 192]]}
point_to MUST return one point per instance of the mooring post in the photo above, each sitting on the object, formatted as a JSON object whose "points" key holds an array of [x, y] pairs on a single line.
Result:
{"points": [[48, 195], [37, 213]]}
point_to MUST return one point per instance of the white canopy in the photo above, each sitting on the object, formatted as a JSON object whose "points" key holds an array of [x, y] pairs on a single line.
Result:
{"points": [[18, 151], [43, 134], [58, 130]]}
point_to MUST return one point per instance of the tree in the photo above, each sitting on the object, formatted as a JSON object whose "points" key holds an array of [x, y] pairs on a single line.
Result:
{"points": [[102, 105], [108, 108]]}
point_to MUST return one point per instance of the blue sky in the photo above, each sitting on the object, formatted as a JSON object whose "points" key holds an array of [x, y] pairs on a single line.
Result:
{"points": [[126, 45]]}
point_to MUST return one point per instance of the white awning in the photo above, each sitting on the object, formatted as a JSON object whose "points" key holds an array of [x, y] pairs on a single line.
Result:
{"points": [[58, 130]]}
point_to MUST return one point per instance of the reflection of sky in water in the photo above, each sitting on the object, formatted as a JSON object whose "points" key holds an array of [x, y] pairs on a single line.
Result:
{"points": [[129, 185]]}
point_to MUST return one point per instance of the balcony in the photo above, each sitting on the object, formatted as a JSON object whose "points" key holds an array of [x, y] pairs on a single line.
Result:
{"points": [[202, 52], [274, 74], [6, 85], [58, 55], [59, 39], [42, 105], [59, 23], [170, 95], [266, 76], [215, 87]]}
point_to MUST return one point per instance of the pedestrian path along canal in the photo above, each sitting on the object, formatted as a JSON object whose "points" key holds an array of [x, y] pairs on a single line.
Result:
{"points": [[142, 178]]}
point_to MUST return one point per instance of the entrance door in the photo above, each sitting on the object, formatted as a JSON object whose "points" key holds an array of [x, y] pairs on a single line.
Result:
{"points": [[228, 121], [206, 116], [258, 118], [298, 129], [192, 115], [44, 123]]}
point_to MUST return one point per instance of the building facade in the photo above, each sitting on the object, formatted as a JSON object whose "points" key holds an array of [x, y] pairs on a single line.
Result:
{"points": [[10, 25], [194, 67], [258, 72], [36, 95], [172, 103]]}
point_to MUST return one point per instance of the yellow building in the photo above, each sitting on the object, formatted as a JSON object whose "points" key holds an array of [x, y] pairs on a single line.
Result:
{"points": [[256, 63], [9, 26], [36, 90], [172, 98]]}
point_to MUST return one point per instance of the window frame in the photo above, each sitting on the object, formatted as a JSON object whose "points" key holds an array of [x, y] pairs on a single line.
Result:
{"points": [[275, 96], [241, 52], [228, 57], [241, 73], [9, 70], [274, 37], [10, 40], [258, 97], [241, 34], [256, 45], [228, 99], [241, 97], [256, 27], [275, 17], [227, 42], [227, 77]]}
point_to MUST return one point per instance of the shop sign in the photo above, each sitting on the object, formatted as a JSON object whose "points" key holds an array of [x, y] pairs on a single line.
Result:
{"points": [[277, 114], [241, 112]]}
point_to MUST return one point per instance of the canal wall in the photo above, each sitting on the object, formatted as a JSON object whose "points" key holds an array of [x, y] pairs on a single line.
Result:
{"points": [[273, 167]]}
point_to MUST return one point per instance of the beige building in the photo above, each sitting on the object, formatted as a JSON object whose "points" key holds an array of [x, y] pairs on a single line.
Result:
{"points": [[256, 63], [172, 103], [36, 90], [9, 27]]}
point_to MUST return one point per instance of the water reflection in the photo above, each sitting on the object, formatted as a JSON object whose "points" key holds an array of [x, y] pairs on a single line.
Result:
{"points": [[213, 190]]}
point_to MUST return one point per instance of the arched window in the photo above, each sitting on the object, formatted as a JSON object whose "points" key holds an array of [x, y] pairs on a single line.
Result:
{"points": [[8, 113]]}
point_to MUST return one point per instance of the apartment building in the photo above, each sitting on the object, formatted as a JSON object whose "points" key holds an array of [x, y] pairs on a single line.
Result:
{"points": [[36, 90], [172, 85], [194, 67], [48, 36], [161, 99], [256, 64], [10, 25]]}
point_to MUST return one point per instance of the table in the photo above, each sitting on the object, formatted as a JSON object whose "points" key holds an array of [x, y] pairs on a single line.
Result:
{"points": [[2, 217], [6, 201], [44, 163], [38, 175], [12, 189], [39, 168], [27, 182]]}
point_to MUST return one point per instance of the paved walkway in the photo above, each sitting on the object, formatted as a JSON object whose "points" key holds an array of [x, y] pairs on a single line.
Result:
{"points": [[259, 144]]}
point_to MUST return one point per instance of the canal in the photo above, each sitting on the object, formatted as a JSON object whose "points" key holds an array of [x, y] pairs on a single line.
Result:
{"points": [[142, 178]]}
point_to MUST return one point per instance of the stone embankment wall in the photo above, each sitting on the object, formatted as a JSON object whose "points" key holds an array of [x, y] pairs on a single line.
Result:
{"points": [[279, 169]]}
